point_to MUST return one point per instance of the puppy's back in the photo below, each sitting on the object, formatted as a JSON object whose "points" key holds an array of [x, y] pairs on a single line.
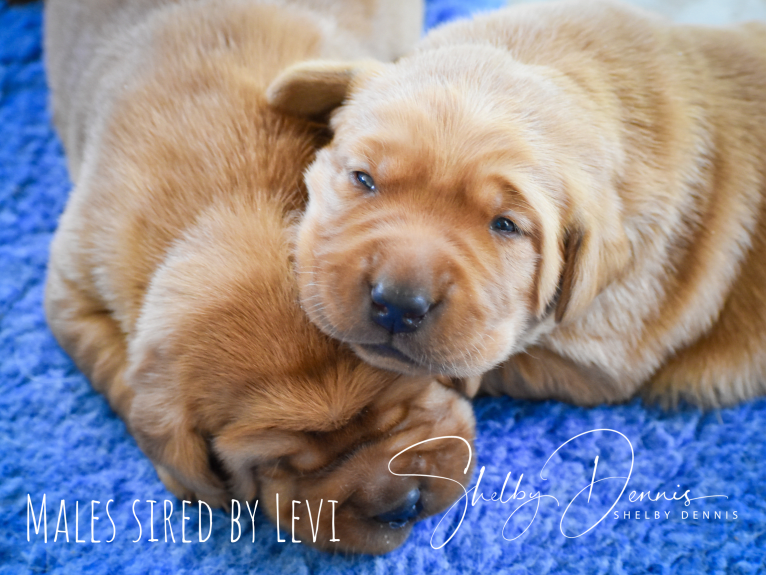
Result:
{"points": [[84, 41], [685, 109]]}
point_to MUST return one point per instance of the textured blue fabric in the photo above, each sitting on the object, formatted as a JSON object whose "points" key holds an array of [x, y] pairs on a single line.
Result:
{"points": [[59, 438]]}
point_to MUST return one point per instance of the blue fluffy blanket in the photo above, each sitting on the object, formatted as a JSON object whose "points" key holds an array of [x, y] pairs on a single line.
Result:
{"points": [[672, 492]]}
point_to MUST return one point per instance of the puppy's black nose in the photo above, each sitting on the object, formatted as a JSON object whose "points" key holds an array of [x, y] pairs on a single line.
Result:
{"points": [[398, 517], [397, 309]]}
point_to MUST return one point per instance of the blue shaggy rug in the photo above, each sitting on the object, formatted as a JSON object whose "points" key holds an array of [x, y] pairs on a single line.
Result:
{"points": [[679, 492]]}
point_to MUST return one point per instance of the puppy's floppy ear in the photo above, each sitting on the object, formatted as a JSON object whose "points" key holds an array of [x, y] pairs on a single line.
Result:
{"points": [[167, 433], [596, 251], [316, 87]]}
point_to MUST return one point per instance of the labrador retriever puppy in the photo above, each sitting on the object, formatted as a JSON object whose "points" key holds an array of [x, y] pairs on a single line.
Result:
{"points": [[568, 196], [171, 283]]}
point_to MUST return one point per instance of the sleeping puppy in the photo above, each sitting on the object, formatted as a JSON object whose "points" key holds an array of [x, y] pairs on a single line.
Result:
{"points": [[567, 196], [170, 281]]}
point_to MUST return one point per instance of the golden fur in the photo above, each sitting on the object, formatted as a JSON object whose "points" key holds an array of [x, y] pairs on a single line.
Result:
{"points": [[170, 280], [628, 151]]}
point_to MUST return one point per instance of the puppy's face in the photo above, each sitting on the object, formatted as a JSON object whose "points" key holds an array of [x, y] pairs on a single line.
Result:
{"points": [[456, 210], [238, 395], [352, 457]]}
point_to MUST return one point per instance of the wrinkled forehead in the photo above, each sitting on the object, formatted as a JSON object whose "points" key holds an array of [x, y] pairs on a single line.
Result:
{"points": [[426, 120]]}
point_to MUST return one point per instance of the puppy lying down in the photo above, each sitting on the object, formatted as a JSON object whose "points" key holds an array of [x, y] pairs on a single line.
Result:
{"points": [[170, 282], [568, 196]]}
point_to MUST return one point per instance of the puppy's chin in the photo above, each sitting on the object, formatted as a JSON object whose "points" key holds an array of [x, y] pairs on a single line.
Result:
{"points": [[389, 358]]}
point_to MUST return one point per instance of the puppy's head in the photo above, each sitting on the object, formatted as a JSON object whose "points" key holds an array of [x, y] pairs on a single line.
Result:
{"points": [[238, 395], [465, 200], [369, 461]]}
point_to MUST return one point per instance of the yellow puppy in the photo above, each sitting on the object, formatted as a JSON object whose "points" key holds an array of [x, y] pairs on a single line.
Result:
{"points": [[569, 196], [170, 282]]}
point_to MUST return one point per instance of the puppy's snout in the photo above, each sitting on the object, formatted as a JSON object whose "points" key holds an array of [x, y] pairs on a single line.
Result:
{"points": [[404, 512], [397, 308]]}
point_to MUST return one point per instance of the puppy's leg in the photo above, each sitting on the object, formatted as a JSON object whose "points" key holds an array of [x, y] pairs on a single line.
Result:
{"points": [[90, 336], [539, 373], [723, 368]]}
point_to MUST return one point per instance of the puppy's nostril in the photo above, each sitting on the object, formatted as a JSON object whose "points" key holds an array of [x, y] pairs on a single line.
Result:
{"points": [[412, 320], [379, 308], [397, 309], [401, 515]]}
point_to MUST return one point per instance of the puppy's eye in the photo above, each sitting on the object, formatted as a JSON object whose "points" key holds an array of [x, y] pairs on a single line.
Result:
{"points": [[365, 180], [504, 225]]}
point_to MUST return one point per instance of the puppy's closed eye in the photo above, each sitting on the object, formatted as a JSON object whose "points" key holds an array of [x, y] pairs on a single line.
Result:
{"points": [[467, 386]]}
